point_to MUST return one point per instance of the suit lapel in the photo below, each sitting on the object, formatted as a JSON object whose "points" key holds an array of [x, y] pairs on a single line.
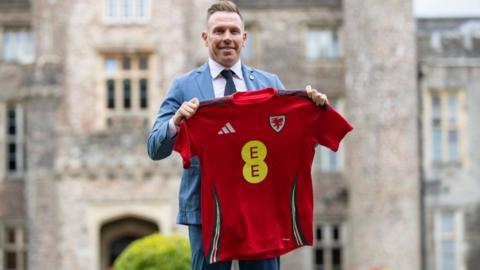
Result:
{"points": [[249, 77], [204, 83]]}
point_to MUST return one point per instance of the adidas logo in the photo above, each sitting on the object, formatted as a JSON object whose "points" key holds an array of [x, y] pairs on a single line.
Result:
{"points": [[226, 129]]}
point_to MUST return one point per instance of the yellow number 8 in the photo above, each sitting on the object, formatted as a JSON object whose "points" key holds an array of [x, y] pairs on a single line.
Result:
{"points": [[255, 169]]}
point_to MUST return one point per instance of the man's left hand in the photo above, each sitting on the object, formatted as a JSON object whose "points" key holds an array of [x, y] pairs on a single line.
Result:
{"points": [[318, 98]]}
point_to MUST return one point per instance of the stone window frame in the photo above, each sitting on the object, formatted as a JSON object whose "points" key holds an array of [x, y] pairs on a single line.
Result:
{"points": [[327, 243], [445, 125], [25, 58], [335, 28], [119, 7], [18, 247], [135, 75], [323, 155], [456, 236]]}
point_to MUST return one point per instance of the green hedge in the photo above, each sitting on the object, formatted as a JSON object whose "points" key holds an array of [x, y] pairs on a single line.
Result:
{"points": [[155, 252]]}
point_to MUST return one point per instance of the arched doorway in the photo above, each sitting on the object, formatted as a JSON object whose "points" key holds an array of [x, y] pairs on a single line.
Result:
{"points": [[117, 234]]}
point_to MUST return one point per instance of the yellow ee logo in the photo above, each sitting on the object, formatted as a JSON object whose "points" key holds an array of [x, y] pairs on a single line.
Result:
{"points": [[255, 169]]}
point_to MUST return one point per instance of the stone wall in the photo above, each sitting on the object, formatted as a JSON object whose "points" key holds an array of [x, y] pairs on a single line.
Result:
{"points": [[293, 68], [83, 173], [383, 158], [448, 59]]}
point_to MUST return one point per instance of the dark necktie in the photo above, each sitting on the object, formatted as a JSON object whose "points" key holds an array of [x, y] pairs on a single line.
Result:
{"points": [[230, 86]]}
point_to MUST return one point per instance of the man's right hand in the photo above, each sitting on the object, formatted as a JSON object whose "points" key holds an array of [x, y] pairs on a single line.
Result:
{"points": [[186, 111]]}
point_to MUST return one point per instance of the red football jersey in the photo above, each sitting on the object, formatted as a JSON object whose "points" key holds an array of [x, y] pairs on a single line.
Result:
{"points": [[256, 149]]}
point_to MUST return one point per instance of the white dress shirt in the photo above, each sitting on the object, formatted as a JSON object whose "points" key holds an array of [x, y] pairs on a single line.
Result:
{"points": [[218, 82]]}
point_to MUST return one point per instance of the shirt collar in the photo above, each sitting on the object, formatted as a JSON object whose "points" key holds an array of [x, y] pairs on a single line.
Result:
{"points": [[216, 68]]}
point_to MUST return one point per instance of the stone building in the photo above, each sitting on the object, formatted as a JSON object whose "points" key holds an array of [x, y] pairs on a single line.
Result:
{"points": [[81, 81], [449, 79]]}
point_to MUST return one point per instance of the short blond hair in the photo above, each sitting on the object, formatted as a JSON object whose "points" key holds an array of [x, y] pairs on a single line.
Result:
{"points": [[223, 5]]}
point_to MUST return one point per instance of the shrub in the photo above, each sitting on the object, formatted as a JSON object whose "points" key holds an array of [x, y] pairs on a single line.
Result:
{"points": [[155, 252]]}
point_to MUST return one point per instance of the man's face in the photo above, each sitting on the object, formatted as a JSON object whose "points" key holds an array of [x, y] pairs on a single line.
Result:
{"points": [[225, 37]]}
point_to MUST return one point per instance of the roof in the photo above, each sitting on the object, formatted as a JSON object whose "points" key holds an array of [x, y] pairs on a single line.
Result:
{"points": [[286, 3], [14, 3]]}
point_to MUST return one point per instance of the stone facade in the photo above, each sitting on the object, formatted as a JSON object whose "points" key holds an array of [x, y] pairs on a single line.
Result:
{"points": [[85, 173], [449, 51], [87, 181]]}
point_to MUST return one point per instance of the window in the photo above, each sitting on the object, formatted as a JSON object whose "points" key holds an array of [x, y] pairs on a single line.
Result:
{"points": [[329, 239], [248, 51], [126, 84], [14, 248], [448, 239], [127, 94], [17, 45], [127, 11], [143, 93], [436, 41], [15, 140], [325, 159], [322, 42], [447, 119]]}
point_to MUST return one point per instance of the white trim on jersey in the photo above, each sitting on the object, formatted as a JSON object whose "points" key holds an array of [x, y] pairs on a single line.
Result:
{"points": [[227, 129]]}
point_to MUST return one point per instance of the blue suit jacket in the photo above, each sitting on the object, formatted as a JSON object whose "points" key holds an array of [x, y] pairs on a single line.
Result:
{"points": [[197, 83]]}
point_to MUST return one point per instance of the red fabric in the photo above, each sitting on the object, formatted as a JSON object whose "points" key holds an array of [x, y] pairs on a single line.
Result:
{"points": [[257, 220]]}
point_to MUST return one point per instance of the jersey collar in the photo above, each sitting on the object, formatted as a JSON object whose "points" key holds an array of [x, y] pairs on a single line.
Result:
{"points": [[253, 97]]}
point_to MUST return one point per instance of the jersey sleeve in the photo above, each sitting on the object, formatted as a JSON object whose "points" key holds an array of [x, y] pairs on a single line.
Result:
{"points": [[328, 127], [185, 144]]}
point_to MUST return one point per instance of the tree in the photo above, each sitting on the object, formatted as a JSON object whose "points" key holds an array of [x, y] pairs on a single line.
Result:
{"points": [[155, 252]]}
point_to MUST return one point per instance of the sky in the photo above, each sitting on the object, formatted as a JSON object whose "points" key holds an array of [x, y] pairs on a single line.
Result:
{"points": [[446, 8]]}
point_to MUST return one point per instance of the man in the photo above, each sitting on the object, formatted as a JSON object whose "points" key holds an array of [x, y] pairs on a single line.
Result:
{"points": [[223, 74]]}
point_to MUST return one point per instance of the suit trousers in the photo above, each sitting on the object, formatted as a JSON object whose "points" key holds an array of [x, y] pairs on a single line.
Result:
{"points": [[199, 262]]}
